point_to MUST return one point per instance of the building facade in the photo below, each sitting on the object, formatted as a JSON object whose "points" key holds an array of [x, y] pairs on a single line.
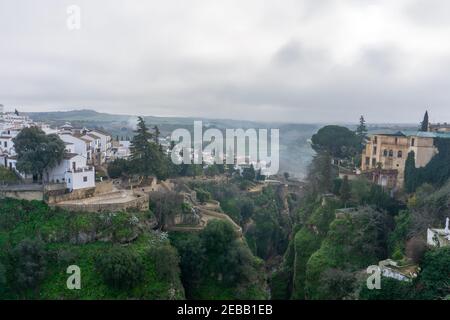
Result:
{"points": [[384, 158]]}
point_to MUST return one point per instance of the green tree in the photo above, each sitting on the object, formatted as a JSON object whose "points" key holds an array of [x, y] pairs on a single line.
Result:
{"points": [[339, 141], [202, 195], [147, 157], [120, 268], [118, 168], [434, 279], [28, 264], [425, 122], [247, 207], [140, 145], [166, 261], [192, 261], [249, 173], [345, 191], [361, 130], [37, 152], [410, 173], [340, 284]]}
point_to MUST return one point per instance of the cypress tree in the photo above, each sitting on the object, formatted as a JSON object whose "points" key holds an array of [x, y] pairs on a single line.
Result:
{"points": [[410, 173], [425, 123]]}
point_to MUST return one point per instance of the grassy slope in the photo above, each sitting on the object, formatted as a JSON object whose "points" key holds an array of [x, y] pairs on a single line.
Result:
{"points": [[7, 176], [22, 219]]}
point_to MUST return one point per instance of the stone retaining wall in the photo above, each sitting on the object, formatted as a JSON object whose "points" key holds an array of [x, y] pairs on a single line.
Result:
{"points": [[137, 204]]}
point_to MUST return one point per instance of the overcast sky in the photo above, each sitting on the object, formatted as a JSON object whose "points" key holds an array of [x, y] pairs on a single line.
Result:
{"points": [[280, 60]]}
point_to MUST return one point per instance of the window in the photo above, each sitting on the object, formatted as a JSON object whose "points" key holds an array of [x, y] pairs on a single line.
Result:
{"points": [[396, 140], [413, 141], [374, 162], [367, 161], [385, 152], [399, 154], [391, 153], [5, 144], [84, 179], [374, 150], [375, 139]]}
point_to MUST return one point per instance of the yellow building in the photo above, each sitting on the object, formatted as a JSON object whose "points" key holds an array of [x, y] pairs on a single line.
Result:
{"points": [[384, 157]]}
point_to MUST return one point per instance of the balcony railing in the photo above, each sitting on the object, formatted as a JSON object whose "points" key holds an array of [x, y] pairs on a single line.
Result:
{"points": [[78, 170]]}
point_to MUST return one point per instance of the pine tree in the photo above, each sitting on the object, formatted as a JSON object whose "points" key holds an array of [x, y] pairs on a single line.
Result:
{"points": [[361, 130], [140, 143], [425, 123], [143, 153]]}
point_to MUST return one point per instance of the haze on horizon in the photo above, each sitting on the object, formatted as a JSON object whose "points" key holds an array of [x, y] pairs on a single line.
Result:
{"points": [[290, 61]]}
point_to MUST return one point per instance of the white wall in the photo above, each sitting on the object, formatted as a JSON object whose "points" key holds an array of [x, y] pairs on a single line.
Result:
{"points": [[79, 145], [105, 140], [76, 180], [9, 145], [58, 173]]}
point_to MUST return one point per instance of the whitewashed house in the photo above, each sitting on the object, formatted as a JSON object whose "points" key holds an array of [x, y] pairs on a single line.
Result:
{"points": [[7, 145], [105, 144], [73, 171], [96, 156], [80, 146]]}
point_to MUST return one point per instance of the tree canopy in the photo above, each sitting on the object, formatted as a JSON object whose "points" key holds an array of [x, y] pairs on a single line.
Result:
{"points": [[37, 152], [425, 122], [147, 158], [339, 141]]}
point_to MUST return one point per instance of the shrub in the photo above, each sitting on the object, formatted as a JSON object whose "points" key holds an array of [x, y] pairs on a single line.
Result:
{"points": [[166, 261], [29, 263], [117, 168], [120, 268], [202, 195]]}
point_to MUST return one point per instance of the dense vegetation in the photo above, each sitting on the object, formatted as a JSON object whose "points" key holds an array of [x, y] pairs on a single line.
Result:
{"points": [[7, 176], [118, 255], [217, 264], [344, 226], [436, 172]]}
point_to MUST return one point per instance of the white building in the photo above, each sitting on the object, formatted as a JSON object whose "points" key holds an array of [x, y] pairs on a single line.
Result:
{"points": [[96, 156], [390, 269], [105, 139], [7, 145], [439, 237], [120, 150], [73, 171], [80, 146]]}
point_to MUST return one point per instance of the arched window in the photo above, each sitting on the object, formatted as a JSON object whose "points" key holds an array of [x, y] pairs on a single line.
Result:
{"points": [[399, 154], [391, 153]]}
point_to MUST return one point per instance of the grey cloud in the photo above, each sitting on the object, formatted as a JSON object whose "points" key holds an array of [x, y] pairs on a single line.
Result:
{"points": [[173, 59]]}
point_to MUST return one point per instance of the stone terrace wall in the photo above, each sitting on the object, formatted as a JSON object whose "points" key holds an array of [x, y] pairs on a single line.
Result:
{"points": [[74, 195], [137, 204], [100, 188]]}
